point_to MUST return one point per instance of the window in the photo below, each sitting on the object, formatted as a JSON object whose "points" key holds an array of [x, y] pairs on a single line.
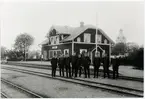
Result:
{"points": [[51, 40], [87, 37], [78, 39], [45, 55], [66, 51], [57, 39], [61, 37], [105, 41], [54, 52], [81, 50], [54, 38], [99, 38]]}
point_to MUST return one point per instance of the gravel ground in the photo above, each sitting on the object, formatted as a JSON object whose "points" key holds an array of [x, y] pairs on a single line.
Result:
{"points": [[123, 70], [118, 82], [55, 88]]}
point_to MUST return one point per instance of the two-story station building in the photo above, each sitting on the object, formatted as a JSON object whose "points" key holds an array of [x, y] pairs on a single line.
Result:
{"points": [[65, 39]]}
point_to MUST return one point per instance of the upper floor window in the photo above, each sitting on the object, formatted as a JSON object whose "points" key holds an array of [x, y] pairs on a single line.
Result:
{"points": [[57, 40], [51, 40], [78, 39], [87, 37], [54, 40], [61, 37], [105, 41], [99, 38]]}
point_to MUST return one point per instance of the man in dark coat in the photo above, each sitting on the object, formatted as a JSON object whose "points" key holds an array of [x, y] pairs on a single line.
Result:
{"points": [[115, 66], [54, 65], [61, 64], [73, 62], [67, 65], [105, 60], [96, 63], [78, 65], [86, 63]]}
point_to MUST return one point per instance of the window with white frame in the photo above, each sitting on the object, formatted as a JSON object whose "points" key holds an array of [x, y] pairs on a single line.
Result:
{"points": [[54, 40], [105, 41], [87, 37], [99, 38], [81, 50], [61, 37], [66, 51], [51, 40], [78, 39], [57, 39]]}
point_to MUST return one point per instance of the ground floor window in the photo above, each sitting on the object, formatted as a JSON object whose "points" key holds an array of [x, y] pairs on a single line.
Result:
{"points": [[81, 50], [45, 55], [54, 52], [66, 51]]}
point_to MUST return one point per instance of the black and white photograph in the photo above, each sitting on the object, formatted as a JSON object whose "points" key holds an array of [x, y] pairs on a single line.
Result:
{"points": [[72, 49]]}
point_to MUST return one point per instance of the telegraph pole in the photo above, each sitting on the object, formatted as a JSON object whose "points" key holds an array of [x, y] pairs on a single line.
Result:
{"points": [[96, 32]]}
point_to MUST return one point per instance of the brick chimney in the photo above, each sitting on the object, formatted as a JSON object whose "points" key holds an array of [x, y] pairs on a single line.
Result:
{"points": [[81, 24]]}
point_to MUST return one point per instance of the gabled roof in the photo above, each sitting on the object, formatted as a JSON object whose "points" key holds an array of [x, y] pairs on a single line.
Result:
{"points": [[74, 32], [77, 31], [106, 36], [44, 42], [62, 29]]}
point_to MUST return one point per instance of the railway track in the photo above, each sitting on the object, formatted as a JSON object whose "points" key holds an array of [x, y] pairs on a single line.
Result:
{"points": [[107, 87], [19, 89], [49, 67], [4, 95]]}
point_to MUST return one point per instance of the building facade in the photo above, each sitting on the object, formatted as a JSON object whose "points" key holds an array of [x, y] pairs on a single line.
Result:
{"points": [[64, 39]]}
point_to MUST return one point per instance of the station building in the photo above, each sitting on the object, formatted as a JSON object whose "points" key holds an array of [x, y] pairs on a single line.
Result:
{"points": [[65, 39]]}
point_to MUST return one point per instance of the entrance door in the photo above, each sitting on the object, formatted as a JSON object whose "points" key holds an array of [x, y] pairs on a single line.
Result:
{"points": [[45, 55]]}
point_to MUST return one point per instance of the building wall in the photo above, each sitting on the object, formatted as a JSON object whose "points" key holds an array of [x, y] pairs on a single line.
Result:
{"points": [[60, 47], [93, 36]]}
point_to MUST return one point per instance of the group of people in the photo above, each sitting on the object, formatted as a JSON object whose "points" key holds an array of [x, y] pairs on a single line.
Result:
{"points": [[71, 66]]}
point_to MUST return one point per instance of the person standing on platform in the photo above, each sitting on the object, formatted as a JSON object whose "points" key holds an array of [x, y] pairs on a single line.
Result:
{"points": [[115, 66], [86, 63], [54, 65], [78, 65], [105, 60], [96, 63], [61, 64], [73, 62], [67, 65]]}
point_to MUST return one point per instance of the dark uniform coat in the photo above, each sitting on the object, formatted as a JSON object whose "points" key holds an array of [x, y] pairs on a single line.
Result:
{"points": [[67, 66], [54, 66], [61, 63], [96, 63]]}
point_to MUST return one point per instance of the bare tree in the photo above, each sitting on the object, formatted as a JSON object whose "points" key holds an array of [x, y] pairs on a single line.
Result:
{"points": [[3, 52], [23, 42]]}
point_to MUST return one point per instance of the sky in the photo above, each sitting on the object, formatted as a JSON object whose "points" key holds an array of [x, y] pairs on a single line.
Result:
{"points": [[36, 18]]}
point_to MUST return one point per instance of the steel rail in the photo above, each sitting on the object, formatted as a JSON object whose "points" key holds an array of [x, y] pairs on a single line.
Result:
{"points": [[122, 90], [48, 67], [21, 88]]}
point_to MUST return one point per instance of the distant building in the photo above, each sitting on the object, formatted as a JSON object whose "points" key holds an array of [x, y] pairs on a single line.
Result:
{"points": [[121, 38], [65, 39]]}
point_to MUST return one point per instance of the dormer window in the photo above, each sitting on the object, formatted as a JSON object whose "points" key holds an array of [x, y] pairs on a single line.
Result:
{"points": [[51, 40], [105, 41], [87, 37], [61, 37], [78, 39], [57, 40]]}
